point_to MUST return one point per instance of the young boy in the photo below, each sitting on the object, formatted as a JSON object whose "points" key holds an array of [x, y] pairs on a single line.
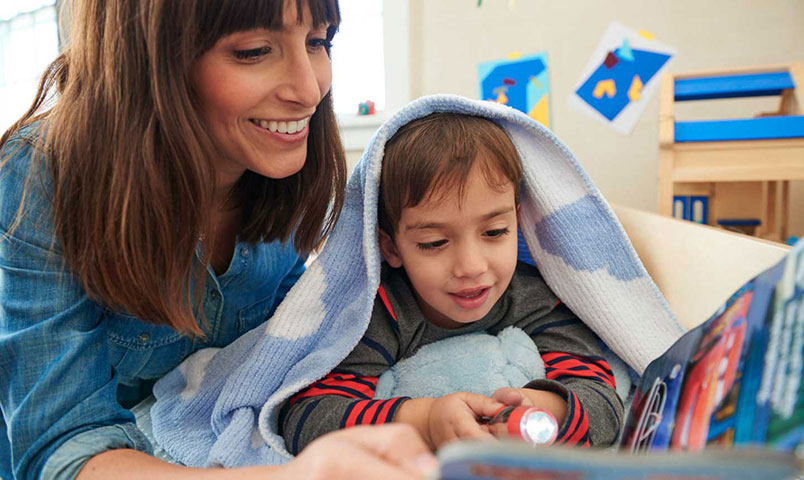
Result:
{"points": [[448, 233]]}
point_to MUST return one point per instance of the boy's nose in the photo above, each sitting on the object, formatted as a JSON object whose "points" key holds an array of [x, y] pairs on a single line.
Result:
{"points": [[469, 262]]}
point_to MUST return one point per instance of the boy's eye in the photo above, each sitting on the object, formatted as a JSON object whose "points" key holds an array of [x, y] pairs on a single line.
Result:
{"points": [[252, 54], [431, 245], [499, 232]]}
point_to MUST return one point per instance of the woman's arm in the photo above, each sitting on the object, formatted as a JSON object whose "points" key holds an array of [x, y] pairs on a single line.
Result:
{"points": [[56, 381], [388, 452], [125, 464]]}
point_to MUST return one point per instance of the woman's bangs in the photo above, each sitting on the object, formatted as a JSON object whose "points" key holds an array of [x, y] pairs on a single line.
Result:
{"points": [[222, 17]]}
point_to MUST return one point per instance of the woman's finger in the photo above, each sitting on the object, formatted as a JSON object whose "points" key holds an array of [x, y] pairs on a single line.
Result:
{"points": [[362, 463], [398, 444]]}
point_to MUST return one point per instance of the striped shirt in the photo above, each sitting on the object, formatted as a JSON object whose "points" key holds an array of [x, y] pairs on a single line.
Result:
{"points": [[574, 366]]}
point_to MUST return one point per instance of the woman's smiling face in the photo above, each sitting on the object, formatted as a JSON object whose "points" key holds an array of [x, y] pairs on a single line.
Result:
{"points": [[257, 90]]}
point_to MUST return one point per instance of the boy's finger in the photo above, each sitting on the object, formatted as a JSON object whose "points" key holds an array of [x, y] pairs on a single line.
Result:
{"points": [[444, 436], [480, 405], [471, 430], [512, 397]]}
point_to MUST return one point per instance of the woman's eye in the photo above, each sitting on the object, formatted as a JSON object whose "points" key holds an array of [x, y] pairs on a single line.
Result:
{"points": [[497, 232], [431, 245], [252, 54], [319, 43]]}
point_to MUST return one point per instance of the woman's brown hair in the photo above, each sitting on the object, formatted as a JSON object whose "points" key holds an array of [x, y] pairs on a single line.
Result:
{"points": [[133, 178], [434, 155]]}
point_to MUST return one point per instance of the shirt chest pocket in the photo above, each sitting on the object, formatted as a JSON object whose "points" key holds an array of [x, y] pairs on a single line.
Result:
{"points": [[252, 316], [141, 350]]}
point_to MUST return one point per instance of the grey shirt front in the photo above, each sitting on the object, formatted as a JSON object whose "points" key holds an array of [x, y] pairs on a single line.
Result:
{"points": [[575, 368]]}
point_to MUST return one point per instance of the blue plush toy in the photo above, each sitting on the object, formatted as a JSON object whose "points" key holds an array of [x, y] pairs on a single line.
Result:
{"points": [[478, 363]]}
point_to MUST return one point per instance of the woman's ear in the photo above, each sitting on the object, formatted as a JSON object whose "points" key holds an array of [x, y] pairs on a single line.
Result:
{"points": [[389, 250]]}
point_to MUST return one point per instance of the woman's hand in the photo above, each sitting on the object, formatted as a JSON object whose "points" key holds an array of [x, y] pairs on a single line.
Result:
{"points": [[394, 451]]}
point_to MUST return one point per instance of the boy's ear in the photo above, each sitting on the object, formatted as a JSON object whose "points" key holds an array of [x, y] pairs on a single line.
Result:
{"points": [[388, 249]]}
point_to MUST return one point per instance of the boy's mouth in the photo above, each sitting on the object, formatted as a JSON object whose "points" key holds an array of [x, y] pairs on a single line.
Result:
{"points": [[470, 298], [470, 292]]}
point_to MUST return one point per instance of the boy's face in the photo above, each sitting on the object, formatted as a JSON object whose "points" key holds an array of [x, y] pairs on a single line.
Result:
{"points": [[459, 258]]}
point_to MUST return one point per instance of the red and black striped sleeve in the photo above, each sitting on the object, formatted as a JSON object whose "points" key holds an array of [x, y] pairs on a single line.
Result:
{"points": [[339, 400], [345, 397], [576, 370], [562, 366]]}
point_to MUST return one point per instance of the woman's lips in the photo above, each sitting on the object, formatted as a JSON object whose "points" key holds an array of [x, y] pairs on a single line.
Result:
{"points": [[296, 137]]}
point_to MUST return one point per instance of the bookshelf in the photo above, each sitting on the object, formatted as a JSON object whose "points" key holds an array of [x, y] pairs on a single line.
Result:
{"points": [[768, 149]]}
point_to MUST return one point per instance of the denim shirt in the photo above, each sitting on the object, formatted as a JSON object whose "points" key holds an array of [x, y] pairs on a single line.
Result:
{"points": [[70, 368]]}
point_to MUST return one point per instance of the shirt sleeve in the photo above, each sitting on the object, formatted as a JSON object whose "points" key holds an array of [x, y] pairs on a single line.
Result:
{"points": [[288, 281], [57, 388], [576, 370], [344, 398]]}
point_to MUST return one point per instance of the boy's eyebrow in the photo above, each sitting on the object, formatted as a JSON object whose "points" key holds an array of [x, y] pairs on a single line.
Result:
{"points": [[497, 213], [436, 225]]}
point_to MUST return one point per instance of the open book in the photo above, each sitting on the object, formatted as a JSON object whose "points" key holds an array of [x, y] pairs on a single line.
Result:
{"points": [[726, 401]]}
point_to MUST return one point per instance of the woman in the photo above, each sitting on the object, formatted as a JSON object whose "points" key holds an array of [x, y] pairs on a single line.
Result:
{"points": [[179, 162]]}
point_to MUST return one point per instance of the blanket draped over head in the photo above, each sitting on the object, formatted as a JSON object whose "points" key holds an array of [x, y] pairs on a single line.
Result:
{"points": [[220, 406]]}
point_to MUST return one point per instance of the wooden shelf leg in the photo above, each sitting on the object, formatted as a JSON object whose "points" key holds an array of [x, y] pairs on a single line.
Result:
{"points": [[712, 220], [665, 187], [768, 229], [785, 213]]}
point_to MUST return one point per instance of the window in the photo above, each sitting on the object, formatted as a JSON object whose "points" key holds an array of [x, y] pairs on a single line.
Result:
{"points": [[357, 56], [370, 61], [29, 41]]}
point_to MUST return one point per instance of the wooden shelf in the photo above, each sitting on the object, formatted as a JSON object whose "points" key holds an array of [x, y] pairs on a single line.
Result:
{"points": [[769, 150]]}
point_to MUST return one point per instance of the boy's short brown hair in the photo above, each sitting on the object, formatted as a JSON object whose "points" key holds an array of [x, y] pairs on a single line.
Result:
{"points": [[434, 155]]}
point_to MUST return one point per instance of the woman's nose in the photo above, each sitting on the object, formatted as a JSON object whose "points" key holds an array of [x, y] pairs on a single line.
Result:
{"points": [[301, 84]]}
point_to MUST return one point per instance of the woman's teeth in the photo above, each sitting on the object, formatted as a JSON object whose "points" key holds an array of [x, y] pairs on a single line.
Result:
{"points": [[282, 127]]}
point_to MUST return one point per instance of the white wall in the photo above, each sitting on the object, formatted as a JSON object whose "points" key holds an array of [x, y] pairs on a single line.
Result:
{"points": [[450, 37]]}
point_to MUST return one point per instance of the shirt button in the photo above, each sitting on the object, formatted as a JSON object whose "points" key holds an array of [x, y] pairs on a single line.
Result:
{"points": [[143, 338], [244, 252], [213, 294]]}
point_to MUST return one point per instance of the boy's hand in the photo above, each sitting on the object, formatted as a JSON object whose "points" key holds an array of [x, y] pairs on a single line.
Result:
{"points": [[527, 397], [456, 416], [512, 397]]}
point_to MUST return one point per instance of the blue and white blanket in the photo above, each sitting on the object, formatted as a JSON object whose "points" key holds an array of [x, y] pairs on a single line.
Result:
{"points": [[220, 406]]}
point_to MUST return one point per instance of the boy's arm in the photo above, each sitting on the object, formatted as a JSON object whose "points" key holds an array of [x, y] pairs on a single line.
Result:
{"points": [[340, 400], [577, 374], [344, 398], [416, 412], [451, 417]]}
